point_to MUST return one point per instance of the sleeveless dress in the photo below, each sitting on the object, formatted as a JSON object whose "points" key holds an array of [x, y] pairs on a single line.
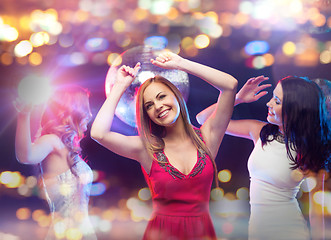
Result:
{"points": [[68, 199], [275, 212], [180, 202]]}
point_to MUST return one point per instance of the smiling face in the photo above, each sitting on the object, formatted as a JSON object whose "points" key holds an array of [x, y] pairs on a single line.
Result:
{"points": [[275, 107], [161, 104]]}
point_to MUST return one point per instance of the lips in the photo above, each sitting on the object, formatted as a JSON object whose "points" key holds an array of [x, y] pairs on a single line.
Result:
{"points": [[163, 113]]}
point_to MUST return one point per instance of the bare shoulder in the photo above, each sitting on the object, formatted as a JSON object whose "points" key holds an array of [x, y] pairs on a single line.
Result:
{"points": [[256, 129], [50, 140]]}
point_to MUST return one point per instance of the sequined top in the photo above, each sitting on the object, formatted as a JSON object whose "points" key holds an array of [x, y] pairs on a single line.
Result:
{"points": [[68, 199]]}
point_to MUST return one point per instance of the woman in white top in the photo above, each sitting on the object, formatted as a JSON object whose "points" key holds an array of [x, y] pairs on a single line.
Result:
{"points": [[292, 145]]}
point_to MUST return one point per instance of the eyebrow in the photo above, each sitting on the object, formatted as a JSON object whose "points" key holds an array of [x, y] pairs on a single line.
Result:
{"points": [[157, 95]]}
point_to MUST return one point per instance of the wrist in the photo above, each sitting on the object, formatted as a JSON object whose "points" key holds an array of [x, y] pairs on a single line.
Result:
{"points": [[23, 114], [237, 100]]}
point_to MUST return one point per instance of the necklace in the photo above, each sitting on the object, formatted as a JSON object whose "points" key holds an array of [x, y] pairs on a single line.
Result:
{"points": [[280, 137]]}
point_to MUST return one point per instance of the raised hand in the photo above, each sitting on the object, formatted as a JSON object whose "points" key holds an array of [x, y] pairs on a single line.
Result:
{"points": [[22, 107], [167, 60], [126, 74], [252, 90]]}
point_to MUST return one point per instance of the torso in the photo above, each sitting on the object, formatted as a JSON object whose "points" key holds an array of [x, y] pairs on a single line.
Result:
{"points": [[274, 208], [56, 162], [183, 155], [180, 195]]}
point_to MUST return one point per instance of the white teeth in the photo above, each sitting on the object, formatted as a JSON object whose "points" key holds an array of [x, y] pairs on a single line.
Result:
{"points": [[163, 113]]}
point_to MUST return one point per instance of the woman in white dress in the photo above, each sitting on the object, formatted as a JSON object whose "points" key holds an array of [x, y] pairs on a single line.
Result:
{"points": [[66, 177], [293, 145]]}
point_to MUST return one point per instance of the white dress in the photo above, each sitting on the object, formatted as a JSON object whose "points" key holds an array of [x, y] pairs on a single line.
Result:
{"points": [[275, 212], [68, 198]]}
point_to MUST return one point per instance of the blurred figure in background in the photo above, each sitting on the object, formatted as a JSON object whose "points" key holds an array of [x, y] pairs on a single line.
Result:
{"points": [[66, 177]]}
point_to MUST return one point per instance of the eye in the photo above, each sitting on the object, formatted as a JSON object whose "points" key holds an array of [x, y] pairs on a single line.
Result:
{"points": [[277, 101], [162, 96], [148, 106]]}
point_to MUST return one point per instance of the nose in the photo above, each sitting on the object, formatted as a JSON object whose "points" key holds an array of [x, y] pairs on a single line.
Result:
{"points": [[269, 104], [158, 106]]}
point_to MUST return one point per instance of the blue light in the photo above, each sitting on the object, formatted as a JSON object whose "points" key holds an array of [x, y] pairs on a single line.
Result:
{"points": [[96, 44], [256, 47], [97, 189], [156, 42]]}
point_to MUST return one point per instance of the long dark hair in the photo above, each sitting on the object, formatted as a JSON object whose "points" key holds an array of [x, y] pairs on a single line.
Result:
{"points": [[306, 130], [66, 115], [152, 133]]}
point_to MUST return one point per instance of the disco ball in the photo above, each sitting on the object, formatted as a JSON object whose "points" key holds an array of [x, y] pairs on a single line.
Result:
{"points": [[126, 108]]}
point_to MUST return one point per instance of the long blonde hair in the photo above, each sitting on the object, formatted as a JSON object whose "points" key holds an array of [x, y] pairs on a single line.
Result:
{"points": [[152, 133], [66, 115]]}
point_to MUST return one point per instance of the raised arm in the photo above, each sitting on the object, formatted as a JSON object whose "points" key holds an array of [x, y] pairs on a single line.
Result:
{"points": [[214, 128], [26, 151], [250, 92], [127, 146]]}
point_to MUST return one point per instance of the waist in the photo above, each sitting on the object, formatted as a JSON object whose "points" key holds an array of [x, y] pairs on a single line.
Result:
{"points": [[266, 193], [180, 208]]}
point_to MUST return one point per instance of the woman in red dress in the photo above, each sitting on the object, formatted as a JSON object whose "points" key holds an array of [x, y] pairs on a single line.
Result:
{"points": [[177, 159]]}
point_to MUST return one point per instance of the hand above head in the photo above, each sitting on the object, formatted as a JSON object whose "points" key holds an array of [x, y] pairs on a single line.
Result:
{"points": [[22, 107], [126, 74], [167, 60], [252, 90]]}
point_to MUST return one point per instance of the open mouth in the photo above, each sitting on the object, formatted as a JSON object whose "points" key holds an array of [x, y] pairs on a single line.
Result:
{"points": [[163, 114]]}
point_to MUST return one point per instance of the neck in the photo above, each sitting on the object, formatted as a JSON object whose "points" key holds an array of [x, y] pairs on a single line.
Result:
{"points": [[281, 130], [176, 131]]}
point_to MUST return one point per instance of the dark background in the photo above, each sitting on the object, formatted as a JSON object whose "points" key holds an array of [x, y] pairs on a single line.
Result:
{"points": [[123, 176]]}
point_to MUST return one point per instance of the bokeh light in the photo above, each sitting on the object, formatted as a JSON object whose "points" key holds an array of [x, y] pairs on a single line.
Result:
{"points": [[242, 193], [309, 185], [224, 175], [34, 89]]}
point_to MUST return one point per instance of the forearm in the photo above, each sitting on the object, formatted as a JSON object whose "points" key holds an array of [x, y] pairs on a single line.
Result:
{"points": [[219, 79], [104, 119], [204, 114], [23, 142]]}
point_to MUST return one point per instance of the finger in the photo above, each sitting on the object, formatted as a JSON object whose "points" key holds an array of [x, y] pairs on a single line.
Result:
{"points": [[264, 86], [156, 62], [250, 80], [161, 59], [138, 64], [137, 68], [261, 79], [260, 94]]}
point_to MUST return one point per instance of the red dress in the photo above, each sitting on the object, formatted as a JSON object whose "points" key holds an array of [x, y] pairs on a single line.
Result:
{"points": [[180, 202]]}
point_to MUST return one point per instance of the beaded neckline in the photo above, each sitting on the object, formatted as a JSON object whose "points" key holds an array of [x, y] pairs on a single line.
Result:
{"points": [[163, 161], [280, 137]]}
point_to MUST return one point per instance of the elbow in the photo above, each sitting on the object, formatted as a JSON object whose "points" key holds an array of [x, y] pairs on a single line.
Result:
{"points": [[22, 158], [234, 84], [96, 136]]}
